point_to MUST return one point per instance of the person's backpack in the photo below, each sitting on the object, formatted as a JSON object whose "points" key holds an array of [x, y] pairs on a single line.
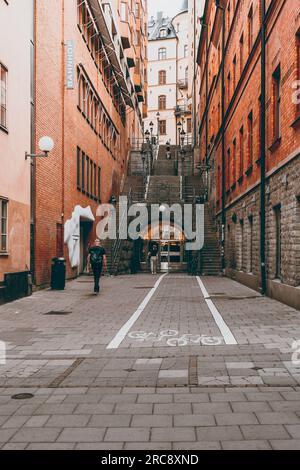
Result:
{"points": [[96, 257]]}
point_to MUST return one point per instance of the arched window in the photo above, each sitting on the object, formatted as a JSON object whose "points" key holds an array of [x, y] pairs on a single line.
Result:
{"points": [[162, 77], [162, 53], [162, 102]]}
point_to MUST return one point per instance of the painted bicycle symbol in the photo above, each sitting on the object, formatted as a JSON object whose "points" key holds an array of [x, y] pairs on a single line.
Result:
{"points": [[173, 338]]}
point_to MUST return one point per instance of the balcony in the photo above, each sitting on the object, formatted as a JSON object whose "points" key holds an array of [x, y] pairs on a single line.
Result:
{"points": [[125, 34], [181, 110], [183, 84]]}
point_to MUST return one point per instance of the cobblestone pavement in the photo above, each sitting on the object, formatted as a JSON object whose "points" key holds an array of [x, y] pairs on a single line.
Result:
{"points": [[171, 383]]}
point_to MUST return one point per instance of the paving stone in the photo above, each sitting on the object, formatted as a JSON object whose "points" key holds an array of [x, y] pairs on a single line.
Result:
{"points": [[127, 435], [231, 419], [219, 433], [98, 409], [248, 407], [51, 446], [191, 398], [37, 421], [54, 409], [68, 421], [82, 435], [173, 434], [99, 446], [292, 444], [227, 397], [246, 445], [15, 422], [261, 431], [196, 446], [155, 398], [294, 430], [14, 446], [36, 435], [152, 421], [194, 420], [173, 409], [133, 409], [148, 446], [109, 421], [211, 408], [277, 417]]}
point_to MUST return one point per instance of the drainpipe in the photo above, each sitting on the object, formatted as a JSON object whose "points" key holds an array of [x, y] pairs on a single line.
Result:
{"points": [[263, 152], [217, 2], [194, 88]]}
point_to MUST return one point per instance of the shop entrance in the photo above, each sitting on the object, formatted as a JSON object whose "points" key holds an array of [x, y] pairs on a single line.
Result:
{"points": [[171, 253]]}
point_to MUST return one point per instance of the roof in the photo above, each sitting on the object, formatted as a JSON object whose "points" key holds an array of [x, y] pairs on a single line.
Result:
{"points": [[156, 25]]}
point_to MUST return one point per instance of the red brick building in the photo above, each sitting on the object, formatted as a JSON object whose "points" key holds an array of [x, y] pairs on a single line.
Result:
{"points": [[90, 100], [232, 136]]}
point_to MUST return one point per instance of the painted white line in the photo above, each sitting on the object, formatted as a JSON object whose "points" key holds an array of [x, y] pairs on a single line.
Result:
{"points": [[115, 343], [223, 327]]}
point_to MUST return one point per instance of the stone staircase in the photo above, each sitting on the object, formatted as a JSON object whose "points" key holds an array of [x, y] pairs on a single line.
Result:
{"points": [[165, 186]]}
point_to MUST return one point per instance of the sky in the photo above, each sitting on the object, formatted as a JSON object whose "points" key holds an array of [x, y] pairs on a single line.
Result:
{"points": [[169, 7]]}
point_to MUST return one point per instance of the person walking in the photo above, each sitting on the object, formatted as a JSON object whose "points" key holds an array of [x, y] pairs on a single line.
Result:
{"points": [[97, 259], [153, 255]]}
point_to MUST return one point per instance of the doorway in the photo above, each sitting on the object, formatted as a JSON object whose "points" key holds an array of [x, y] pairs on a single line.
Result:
{"points": [[85, 230], [171, 254]]}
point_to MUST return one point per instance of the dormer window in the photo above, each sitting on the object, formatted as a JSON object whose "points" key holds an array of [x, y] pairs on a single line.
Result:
{"points": [[163, 33]]}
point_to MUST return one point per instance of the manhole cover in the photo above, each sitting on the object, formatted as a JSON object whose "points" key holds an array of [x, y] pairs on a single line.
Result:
{"points": [[22, 396], [53, 312]]}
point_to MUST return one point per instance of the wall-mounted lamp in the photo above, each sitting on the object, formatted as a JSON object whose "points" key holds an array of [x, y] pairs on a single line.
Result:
{"points": [[46, 145]]}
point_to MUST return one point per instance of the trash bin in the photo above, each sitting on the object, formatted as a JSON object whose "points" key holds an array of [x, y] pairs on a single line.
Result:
{"points": [[58, 274]]}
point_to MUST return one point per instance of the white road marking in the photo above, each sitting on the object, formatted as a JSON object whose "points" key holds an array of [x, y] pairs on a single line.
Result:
{"points": [[223, 327], [115, 343]]}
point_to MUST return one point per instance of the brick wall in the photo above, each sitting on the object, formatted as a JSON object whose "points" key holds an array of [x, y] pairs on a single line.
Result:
{"points": [[242, 93]]}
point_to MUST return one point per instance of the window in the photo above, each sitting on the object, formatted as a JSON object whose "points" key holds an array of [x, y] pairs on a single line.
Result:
{"points": [[162, 77], [3, 96], [234, 162], [250, 29], [4, 228], [88, 176], [241, 151], [250, 220], [78, 168], [163, 33], [186, 51], [162, 127], [228, 164], [162, 53], [277, 216], [250, 140], [298, 71], [124, 11], [162, 102], [234, 72], [189, 125], [277, 103], [241, 54]]}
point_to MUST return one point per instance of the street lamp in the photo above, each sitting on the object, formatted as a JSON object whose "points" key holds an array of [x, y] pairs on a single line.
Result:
{"points": [[151, 125], [147, 134], [158, 116], [183, 134], [46, 145]]}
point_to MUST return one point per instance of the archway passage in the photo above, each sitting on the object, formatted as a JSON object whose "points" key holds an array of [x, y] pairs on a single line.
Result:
{"points": [[171, 241]]}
